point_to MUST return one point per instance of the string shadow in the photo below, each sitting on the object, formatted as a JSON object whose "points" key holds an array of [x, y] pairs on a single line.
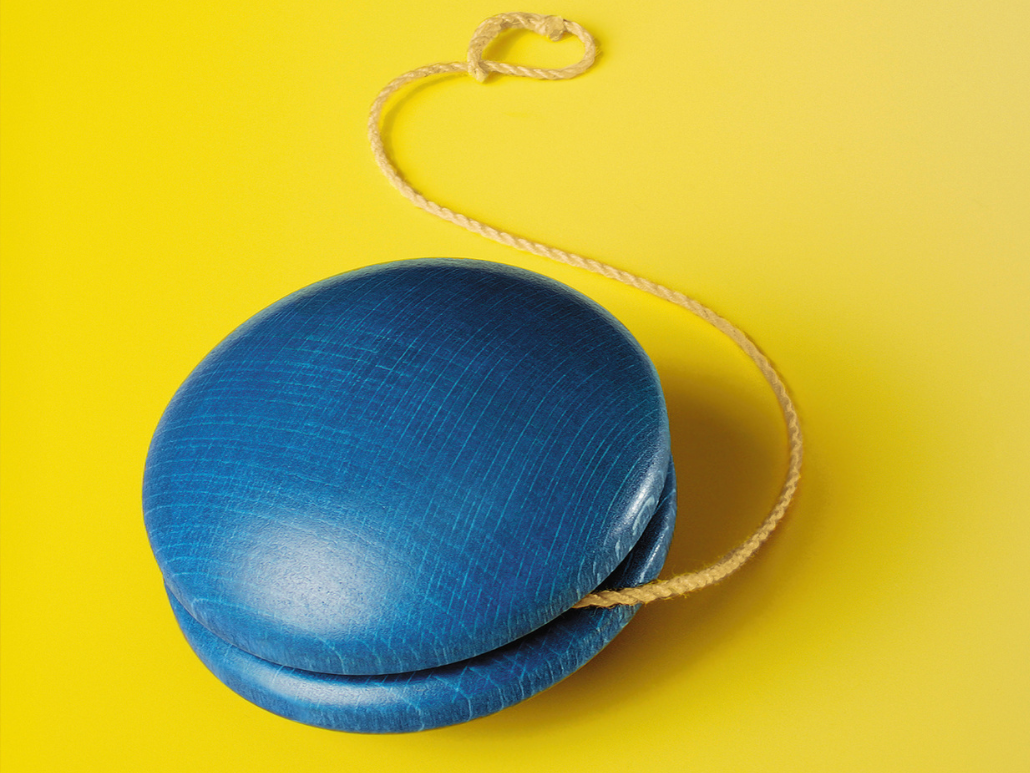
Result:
{"points": [[398, 104]]}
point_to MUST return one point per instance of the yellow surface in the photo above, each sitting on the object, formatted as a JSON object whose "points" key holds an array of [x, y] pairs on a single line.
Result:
{"points": [[850, 182]]}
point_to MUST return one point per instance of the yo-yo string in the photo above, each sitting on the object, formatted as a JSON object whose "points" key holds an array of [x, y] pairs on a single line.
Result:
{"points": [[555, 27]]}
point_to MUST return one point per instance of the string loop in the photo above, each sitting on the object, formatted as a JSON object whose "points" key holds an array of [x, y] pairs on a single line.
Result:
{"points": [[554, 27]]}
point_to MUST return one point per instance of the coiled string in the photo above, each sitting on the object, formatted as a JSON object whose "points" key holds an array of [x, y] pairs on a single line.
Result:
{"points": [[554, 28]]}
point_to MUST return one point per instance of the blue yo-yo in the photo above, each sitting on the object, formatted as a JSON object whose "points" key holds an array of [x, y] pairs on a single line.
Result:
{"points": [[376, 502]]}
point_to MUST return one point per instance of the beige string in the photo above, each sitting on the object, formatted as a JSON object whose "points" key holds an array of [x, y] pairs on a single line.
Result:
{"points": [[554, 27]]}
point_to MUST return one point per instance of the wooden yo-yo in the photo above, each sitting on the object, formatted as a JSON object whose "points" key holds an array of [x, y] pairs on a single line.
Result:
{"points": [[375, 503]]}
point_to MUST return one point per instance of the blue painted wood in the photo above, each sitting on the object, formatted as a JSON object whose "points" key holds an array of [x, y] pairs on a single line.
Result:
{"points": [[403, 468], [446, 695]]}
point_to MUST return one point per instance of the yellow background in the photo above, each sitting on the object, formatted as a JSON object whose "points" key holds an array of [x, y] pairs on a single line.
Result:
{"points": [[849, 181]]}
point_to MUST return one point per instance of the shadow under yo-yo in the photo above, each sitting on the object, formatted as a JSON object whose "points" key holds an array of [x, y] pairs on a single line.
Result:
{"points": [[728, 471]]}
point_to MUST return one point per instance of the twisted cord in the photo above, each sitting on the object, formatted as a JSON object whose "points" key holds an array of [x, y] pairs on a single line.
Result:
{"points": [[554, 28]]}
